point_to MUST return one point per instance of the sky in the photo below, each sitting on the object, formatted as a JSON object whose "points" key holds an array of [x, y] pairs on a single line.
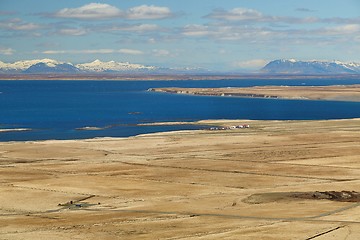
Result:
{"points": [[226, 35]]}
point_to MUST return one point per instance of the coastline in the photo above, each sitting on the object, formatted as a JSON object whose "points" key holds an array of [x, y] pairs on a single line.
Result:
{"points": [[154, 77], [5, 130], [334, 92], [238, 183]]}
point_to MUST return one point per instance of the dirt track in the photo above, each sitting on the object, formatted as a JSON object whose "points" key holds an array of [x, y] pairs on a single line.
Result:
{"points": [[231, 184]]}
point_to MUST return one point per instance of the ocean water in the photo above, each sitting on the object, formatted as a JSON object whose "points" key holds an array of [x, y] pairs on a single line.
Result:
{"points": [[57, 109]]}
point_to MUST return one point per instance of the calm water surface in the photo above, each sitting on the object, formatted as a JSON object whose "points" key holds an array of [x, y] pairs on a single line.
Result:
{"points": [[55, 109]]}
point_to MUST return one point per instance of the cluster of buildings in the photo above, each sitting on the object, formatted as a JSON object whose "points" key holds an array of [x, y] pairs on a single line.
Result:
{"points": [[231, 127]]}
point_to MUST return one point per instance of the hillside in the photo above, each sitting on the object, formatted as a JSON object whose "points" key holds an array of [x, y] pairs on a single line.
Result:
{"points": [[310, 67]]}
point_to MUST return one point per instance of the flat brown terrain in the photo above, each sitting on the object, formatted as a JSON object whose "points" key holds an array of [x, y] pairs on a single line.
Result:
{"points": [[341, 93], [274, 180]]}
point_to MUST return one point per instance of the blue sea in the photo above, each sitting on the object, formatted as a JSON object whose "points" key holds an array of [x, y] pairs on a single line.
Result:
{"points": [[57, 109]]}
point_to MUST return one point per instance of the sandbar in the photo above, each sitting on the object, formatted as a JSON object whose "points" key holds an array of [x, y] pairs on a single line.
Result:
{"points": [[3, 130], [334, 92], [274, 180]]}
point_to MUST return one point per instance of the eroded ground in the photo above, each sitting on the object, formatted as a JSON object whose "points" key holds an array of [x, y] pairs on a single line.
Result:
{"points": [[254, 183]]}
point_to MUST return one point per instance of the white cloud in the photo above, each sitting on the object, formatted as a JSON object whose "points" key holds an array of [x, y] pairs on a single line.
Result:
{"points": [[241, 14], [161, 53], [148, 12], [258, 33], [53, 52], [134, 28], [130, 51], [151, 40], [95, 11], [227, 32], [96, 51], [251, 64], [90, 11], [17, 24], [7, 51], [253, 16], [344, 29], [237, 14], [72, 31], [196, 30], [24, 27]]}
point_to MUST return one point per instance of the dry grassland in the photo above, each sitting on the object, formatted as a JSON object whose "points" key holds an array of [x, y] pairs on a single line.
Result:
{"points": [[231, 184]]}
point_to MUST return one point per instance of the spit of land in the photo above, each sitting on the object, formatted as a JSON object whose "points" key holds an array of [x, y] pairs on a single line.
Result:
{"points": [[334, 92], [273, 180]]}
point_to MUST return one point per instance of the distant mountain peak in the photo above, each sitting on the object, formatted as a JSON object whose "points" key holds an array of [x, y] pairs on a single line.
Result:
{"points": [[42, 67], [47, 65], [112, 66], [292, 60], [25, 64], [280, 66], [292, 66]]}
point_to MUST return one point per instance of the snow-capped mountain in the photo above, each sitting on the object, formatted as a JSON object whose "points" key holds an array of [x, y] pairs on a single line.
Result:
{"points": [[39, 66], [23, 65], [112, 66], [49, 68], [292, 66]]}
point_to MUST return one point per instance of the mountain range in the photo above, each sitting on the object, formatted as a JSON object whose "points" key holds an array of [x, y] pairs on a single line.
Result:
{"points": [[44, 66], [292, 66], [281, 66]]}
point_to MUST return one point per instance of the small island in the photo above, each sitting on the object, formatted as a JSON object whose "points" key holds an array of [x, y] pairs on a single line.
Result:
{"points": [[334, 92]]}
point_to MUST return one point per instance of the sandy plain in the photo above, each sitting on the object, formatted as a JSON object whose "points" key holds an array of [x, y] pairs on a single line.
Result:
{"points": [[334, 92], [225, 184]]}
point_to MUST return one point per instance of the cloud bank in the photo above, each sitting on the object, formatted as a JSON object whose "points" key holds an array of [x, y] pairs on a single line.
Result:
{"points": [[228, 37], [100, 11], [96, 51], [254, 16], [7, 51]]}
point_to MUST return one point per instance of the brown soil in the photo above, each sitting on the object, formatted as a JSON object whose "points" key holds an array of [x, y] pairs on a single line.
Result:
{"points": [[274, 180]]}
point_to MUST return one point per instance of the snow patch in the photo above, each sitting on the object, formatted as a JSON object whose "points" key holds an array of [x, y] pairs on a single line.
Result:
{"points": [[99, 66]]}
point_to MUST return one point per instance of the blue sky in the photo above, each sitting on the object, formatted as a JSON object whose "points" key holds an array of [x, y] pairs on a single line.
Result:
{"points": [[227, 35]]}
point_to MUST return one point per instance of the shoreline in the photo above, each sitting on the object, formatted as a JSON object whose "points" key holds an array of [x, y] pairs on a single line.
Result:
{"points": [[163, 77], [6, 130], [332, 93], [219, 125], [276, 179]]}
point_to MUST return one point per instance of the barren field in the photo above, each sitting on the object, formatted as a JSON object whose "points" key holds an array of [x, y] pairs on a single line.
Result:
{"points": [[340, 93], [274, 180]]}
